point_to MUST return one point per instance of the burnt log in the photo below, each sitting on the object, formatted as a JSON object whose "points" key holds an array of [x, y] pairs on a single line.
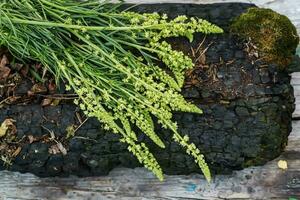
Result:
{"points": [[247, 105]]}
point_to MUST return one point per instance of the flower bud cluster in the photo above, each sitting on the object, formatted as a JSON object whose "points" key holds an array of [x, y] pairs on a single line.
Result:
{"points": [[192, 150], [162, 28], [144, 156], [132, 90]]}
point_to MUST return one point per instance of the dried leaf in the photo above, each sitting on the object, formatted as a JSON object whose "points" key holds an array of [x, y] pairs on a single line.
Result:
{"points": [[13, 129], [17, 151], [57, 148], [4, 61], [38, 88], [31, 139], [62, 148], [201, 59], [5, 126], [54, 149], [3, 146], [46, 102], [282, 164], [4, 71], [52, 86]]}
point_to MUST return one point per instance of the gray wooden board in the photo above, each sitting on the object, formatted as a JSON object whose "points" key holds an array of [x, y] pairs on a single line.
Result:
{"points": [[265, 182], [296, 84]]}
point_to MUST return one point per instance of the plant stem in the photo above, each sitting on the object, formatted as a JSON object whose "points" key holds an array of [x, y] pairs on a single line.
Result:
{"points": [[80, 27]]}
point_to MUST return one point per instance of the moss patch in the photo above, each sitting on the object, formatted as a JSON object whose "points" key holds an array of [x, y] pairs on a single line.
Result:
{"points": [[274, 34]]}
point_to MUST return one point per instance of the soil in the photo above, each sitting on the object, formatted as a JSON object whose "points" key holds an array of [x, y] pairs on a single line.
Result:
{"points": [[247, 104]]}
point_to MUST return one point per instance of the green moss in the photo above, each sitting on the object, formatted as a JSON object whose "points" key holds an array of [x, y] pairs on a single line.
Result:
{"points": [[254, 162], [274, 34]]}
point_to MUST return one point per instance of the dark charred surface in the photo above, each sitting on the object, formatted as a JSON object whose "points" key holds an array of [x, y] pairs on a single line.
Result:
{"points": [[247, 106]]}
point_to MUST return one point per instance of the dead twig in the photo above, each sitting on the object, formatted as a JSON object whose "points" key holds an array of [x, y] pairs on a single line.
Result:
{"points": [[7, 85], [81, 125], [200, 45], [60, 96], [203, 52], [84, 138]]}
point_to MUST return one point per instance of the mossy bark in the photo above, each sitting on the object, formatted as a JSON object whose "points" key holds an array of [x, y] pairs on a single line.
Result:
{"points": [[274, 34]]}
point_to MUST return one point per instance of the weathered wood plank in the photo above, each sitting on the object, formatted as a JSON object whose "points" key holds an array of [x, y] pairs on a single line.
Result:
{"points": [[296, 84], [264, 182]]}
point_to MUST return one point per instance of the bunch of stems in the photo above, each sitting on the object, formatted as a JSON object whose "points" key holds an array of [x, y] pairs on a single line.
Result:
{"points": [[110, 59]]}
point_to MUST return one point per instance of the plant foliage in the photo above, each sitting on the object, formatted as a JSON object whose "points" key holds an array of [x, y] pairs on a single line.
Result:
{"points": [[109, 58]]}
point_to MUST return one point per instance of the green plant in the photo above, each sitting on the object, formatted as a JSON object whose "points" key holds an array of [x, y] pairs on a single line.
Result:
{"points": [[274, 34], [109, 58]]}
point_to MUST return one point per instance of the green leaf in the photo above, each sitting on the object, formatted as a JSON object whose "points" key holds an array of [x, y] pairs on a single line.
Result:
{"points": [[190, 36]]}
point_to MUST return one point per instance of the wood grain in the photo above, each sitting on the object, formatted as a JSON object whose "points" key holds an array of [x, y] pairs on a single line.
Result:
{"points": [[296, 85], [266, 182]]}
